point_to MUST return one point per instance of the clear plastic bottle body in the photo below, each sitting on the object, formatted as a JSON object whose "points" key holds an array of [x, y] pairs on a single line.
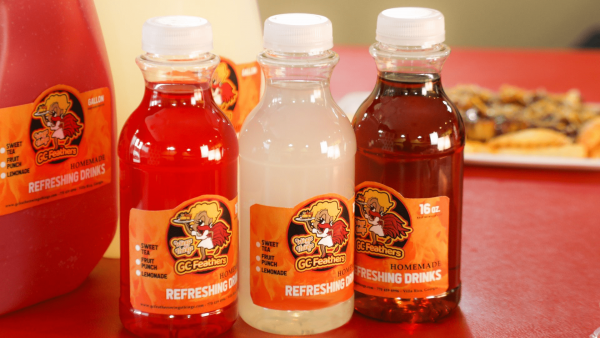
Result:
{"points": [[296, 144], [407, 105], [176, 119]]}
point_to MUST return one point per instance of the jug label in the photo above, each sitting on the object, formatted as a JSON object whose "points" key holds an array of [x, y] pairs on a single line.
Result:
{"points": [[401, 243], [302, 258], [56, 147], [184, 260], [236, 89]]}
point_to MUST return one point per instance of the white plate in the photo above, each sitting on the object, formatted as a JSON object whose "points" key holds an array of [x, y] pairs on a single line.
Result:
{"points": [[564, 163], [351, 101]]}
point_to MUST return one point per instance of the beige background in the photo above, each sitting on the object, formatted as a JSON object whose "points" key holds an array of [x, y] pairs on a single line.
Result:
{"points": [[502, 23]]}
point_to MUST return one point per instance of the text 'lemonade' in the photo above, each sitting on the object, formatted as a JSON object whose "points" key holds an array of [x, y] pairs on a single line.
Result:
{"points": [[297, 153], [178, 169], [57, 149]]}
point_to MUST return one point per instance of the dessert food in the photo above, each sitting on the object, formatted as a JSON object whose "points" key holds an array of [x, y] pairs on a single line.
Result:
{"points": [[522, 122], [589, 136]]}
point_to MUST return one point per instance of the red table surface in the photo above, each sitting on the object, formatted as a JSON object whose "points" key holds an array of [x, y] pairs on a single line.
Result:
{"points": [[531, 238]]}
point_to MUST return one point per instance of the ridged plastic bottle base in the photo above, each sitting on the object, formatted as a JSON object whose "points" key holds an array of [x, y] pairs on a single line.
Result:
{"points": [[416, 310], [296, 323]]}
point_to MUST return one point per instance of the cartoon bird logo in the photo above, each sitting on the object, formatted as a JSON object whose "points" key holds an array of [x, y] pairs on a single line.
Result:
{"points": [[376, 208], [224, 90], [323, 220], [202, 222], [57, 118]]}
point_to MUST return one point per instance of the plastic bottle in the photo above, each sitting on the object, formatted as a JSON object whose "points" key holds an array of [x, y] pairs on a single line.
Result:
{"points": [[409, 174], [296, 187], [237, 39], [58, 208], [178, 173]]}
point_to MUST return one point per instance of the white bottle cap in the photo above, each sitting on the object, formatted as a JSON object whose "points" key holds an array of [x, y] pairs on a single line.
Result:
{"points": [[177, 35], [298, 33], [411, 26]]}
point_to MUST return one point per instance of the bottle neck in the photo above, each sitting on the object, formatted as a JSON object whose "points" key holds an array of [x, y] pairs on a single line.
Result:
{"points": [[297, 68], [177, 74], [409, 64], [408, 85]]}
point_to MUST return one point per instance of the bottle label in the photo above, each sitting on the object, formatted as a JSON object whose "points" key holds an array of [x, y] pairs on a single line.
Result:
{"points": [[236, 89], [302, 258], [56, 147], [401, 243], [184, 260]]}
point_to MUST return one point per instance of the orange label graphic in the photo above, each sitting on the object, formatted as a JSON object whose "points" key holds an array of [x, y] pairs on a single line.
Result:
{"points": [[401, 243], [302, 257], [56, 147], [236, 89], [184, 260]]}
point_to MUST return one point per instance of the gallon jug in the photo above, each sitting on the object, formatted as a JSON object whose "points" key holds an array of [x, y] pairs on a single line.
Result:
{"points": [[58, 206]]}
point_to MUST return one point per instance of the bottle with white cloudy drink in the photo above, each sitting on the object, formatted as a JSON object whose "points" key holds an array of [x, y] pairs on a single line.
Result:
{"points": [[296, 187]]}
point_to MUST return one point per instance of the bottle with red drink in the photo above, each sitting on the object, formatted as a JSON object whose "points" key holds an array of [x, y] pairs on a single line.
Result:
{"points": [[57, 149], [409, 171], [178, 178]]}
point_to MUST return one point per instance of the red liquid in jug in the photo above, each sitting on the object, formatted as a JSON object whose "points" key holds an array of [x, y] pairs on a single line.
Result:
{"points": [[393, 130], [169, 169], [50, 248]]}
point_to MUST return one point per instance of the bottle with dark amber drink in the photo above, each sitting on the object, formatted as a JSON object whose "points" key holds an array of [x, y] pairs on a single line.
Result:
{"points": [[409, 173], [178, 177]]}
